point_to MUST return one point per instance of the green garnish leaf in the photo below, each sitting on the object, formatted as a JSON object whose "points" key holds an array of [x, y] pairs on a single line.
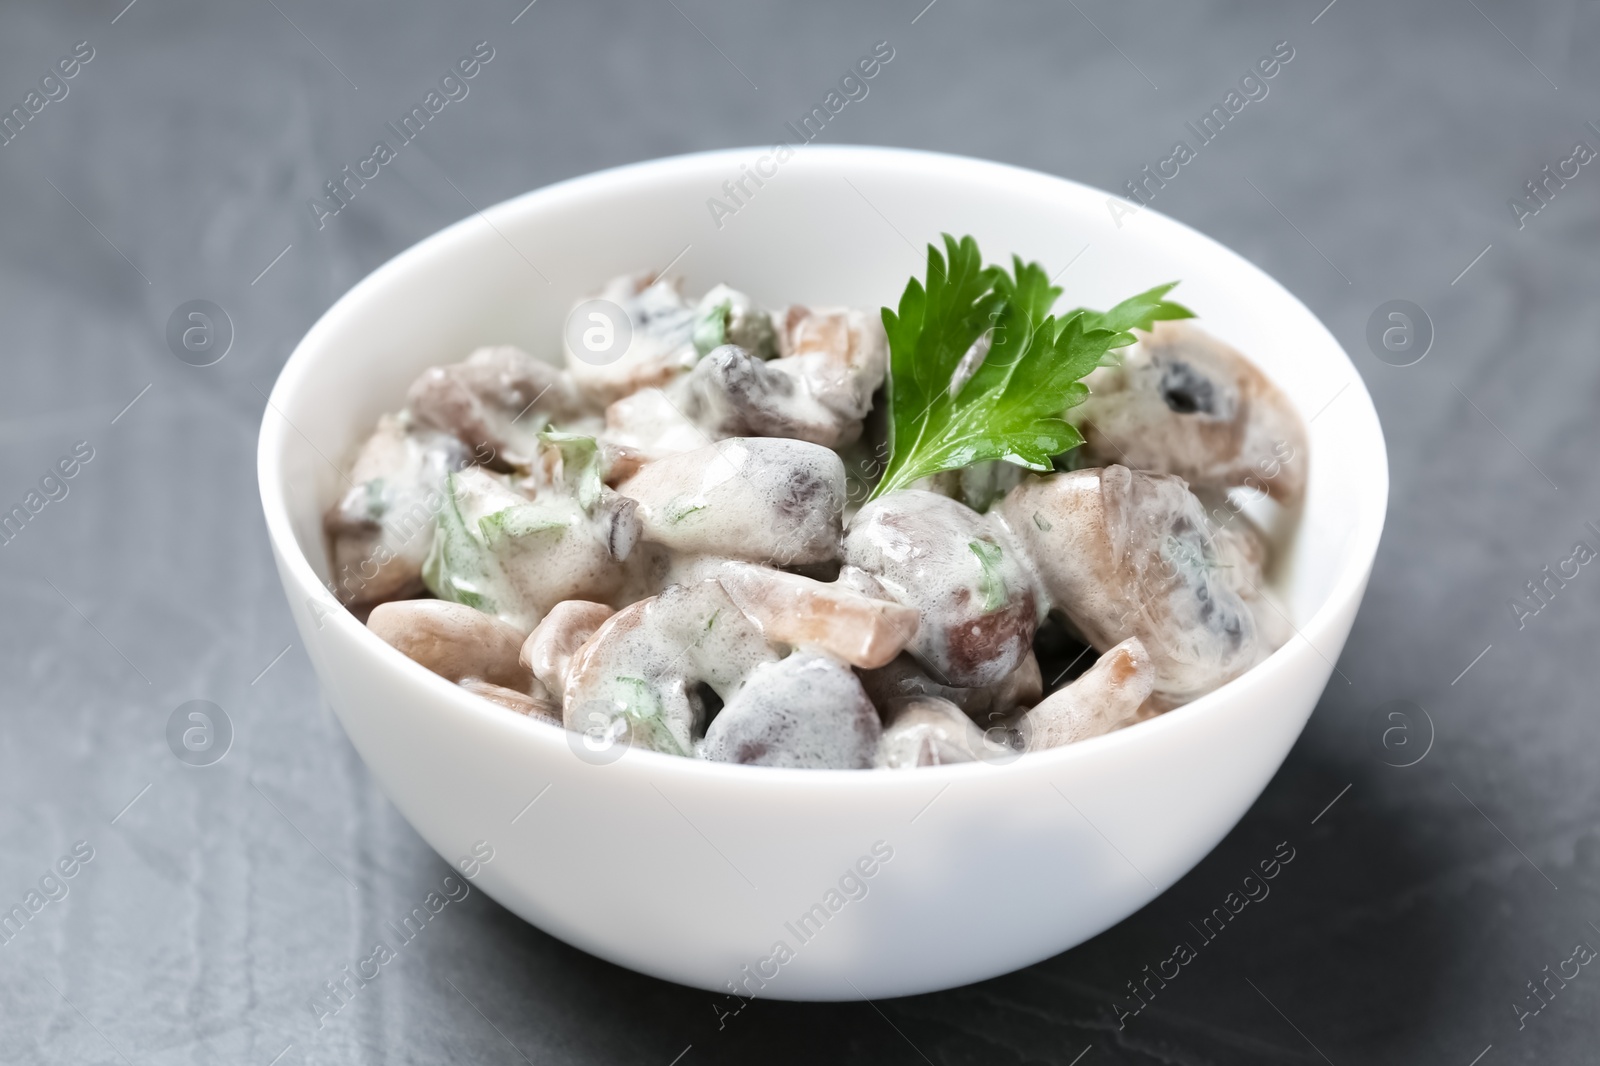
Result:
{"points": [[1010, 407], [1138, 312]]}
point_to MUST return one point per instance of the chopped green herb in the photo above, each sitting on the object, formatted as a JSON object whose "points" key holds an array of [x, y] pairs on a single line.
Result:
{"points": [[457, 566], [580, 464], [1010, 407], [991, 581], [376, 501], [711, 328], [523, 520], [678, 514], [644, 718], [644, 693]]}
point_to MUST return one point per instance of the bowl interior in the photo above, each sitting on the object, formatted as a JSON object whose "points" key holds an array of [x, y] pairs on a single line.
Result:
{"points": [[831, 226]]}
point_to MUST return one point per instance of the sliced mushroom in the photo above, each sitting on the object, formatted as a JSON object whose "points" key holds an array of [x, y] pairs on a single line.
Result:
{"points": [[1128, 554], [1107, 697], [1184, 403], [802, 613], [516, 557], [841, 353], [646, 662], [766, 500], [927, 731], [819, 390], [454, 641], [660, 337], [975, 595], [552, 644], [731, 393], [379, 531], [805, 711], [538, 707], [495, 403]]}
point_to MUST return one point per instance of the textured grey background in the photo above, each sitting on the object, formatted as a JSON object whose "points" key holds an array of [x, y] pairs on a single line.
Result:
{"points": [[1417, 906]]}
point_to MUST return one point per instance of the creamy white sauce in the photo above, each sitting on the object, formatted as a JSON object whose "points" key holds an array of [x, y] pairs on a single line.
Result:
{"points": [[738, 417]]}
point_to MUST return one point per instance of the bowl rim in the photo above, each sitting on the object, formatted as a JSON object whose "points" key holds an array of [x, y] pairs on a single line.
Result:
{"points": [[1345, 592]]}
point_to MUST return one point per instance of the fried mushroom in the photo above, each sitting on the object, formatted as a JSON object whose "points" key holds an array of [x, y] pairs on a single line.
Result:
{"points": [[1107, 697], [535, 707], [454, 641], [760, 499], [976, 597], [794, 610], [805, 711], [988, 705], [554, 641], [381, 528], [495, 403], [1128, 554], [1184, 403], [516, 556], [644, 666]]}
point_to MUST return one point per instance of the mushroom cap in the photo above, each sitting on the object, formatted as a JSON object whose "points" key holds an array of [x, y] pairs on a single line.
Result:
{"points": [[842, 353], [454, 641], [380, 529], [646, 662], [1127, 554], [796, 611], [495, 403], [760, 499], [805, 711], [1184, 403], [973, 591], [987, 705], [731, 393], [556, 639]]}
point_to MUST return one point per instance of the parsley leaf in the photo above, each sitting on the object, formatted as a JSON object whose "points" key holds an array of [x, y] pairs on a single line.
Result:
{"points": [[1139, 312], [944, 414]]}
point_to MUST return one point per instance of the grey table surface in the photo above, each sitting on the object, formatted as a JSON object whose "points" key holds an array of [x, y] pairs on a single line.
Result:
{"points": [[218, 899]]}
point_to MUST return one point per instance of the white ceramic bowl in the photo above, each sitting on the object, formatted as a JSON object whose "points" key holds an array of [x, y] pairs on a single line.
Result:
{"points": [[694, 871]]}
